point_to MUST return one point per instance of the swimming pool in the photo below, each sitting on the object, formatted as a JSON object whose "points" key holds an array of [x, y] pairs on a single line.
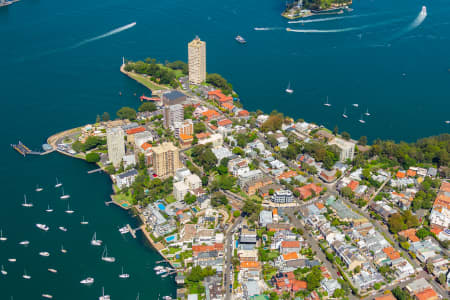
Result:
{"points": [[170, 238], [125, 204], [161, 206], [195, 210]]}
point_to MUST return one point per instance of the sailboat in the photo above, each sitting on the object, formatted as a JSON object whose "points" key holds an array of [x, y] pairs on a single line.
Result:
{"points": [[289, 90], [124, 275], [447, 122], [25, 204], [94, 241], [49, 210], [327, 103], [24, 243], [344, 115], [362, 120], [38, 188], [63, 250], [25, 275], [63, 196], [103, 296], [367, 112], [69, 211], [3, 271], [137, 298], [355, 104], [58, 184], [107, 258], [2, 238], [83, 222]]}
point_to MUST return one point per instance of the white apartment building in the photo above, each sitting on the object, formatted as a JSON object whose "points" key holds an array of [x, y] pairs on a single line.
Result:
{"points": [[116, 145], [197, 61]]}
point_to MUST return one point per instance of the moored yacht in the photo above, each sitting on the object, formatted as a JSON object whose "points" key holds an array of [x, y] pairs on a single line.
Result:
{"points": [[52, 271], [447, 122], [288, 89], [362, 120], [44, 253], [25, 275], [42, 227], [87, 281], [3, 271], [327, 103], [2, 238], [64, 196], [48, 296], [63, 250], [25, 204], [103, 296], [367, 112], [58, 184], [68, 210], [38, 188], [240, 39], [107, 258], [49, 210], [355, 105], [94, 241], [62, 228], [24, 243], [12, 259], [344, 115], [124, 230], [84, 222], [124, 275]]}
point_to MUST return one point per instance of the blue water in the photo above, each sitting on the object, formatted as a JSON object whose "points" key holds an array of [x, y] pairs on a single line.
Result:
{"points": [[52, 78]]}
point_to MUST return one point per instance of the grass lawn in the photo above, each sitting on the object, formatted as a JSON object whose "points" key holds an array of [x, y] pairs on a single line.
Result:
{"points": [[178, 73], [173, 250], [170, 199], [120, 198], [144, 81]]}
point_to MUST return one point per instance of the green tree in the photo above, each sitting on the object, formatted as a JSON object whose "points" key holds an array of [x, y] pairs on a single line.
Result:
{"points": [[313, 278], [126, 113], [339, 294], [345, 135], [422, 233], [105, 117], [347, 192], [199, 127], [97, 119], [189, 198], [92, 157], [336, 130], [236, 213], [147, 106], [362, 140]]}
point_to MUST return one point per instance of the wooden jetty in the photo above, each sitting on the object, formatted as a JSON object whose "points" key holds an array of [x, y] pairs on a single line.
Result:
{"points": [[94, 171]]}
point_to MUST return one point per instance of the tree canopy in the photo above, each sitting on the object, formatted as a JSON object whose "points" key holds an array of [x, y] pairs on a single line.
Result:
{"points": [[126, 113], [218, 81], [147, 106]]}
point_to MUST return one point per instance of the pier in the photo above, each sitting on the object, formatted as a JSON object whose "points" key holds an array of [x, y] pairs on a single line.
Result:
{"points": [[133, 231], [24, 150], [94, 171]]}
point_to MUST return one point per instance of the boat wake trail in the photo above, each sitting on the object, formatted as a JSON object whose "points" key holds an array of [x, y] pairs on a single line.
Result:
{"points": [[109, 33], [342, 29], [267, 28], [326, 19], [414, 24]]}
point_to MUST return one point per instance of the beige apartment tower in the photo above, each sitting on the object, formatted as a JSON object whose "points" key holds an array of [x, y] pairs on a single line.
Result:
{"points": [[116, 145], [197, 61], [166, 160]]}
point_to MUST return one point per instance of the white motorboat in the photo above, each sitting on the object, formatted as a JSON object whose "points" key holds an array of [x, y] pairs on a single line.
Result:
{"points": [[62, 228], [107, 258], [165, 275], [48, 296], [49, 210], [24, 243], [63, 250], [344, 115], [58, 184], [157, 268], [12, 260], [64, 196], [367, 112], [103, 296], [87, 281], [288, 89], [423, 12], [362, 120], [84, 222], [25, 275], [124, 230], [42, 227], [355, 105], [94, 241], [3, 271], [38, 188], [53, 271], [447, 122], [124, 275], [327, 103], [167, 298], [44, 253], [162, 271], [25, 203], [68, 210], [2, 238]]}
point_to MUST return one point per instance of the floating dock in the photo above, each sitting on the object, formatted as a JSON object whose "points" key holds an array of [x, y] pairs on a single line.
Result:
{"points": [[24, 150]]}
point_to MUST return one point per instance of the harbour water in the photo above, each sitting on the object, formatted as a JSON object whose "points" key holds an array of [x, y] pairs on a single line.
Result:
{"points": [[60, 68]]}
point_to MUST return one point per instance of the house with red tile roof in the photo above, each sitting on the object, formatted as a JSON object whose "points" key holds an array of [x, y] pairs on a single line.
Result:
{"points": [[185, 139], [287, 174], [409, 234], [146, 146], [400, 174], [202, 135], [287, 282], [243, 113], [428, 294], [386, 297], [228, 106], [411, 173], [219, 97], [289, 247], [135, 130], [391, 253], [353, 185], [211, 114], [225, 123], [309, 190]]}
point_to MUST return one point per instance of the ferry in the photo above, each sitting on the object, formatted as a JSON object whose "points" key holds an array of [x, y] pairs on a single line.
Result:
{"points": [[87, 281], [24, 243], [44, 253], [52, 271], [48, 296], [240, 39], [42, 227]]}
